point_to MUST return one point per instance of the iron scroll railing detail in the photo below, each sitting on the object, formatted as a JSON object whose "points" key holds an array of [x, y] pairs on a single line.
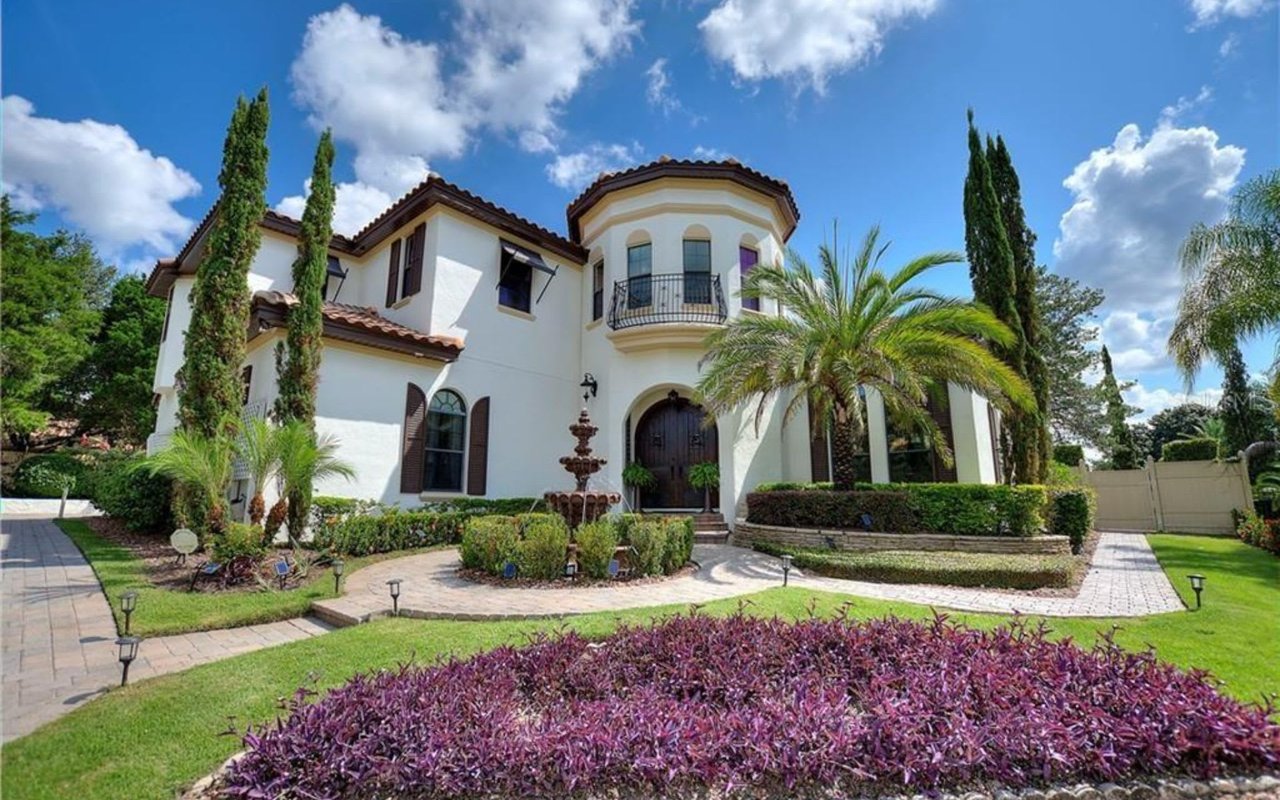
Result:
{"points": [[656, 299]]}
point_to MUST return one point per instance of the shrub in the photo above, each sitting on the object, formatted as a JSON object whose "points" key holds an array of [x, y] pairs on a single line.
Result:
{"points": [[1069, 454], [544, 543], [46, 475], [490, 543], [743, 706], [142, 501], [1190, 450], [794, 486], [830, 509], [240, 540], [1071, 513], [648, 540], [597, 542], [969, 509], [392, 530], [1062, 475], [1253, 529], [679, 543], [504, 506], [1000, 571]]}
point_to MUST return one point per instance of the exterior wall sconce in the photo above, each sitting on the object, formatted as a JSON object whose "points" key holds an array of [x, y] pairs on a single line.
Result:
{"points": [[128, 602], [590, 386], [1197, 586], [786, 568], [128, 652], [673, 395], [394, 585], [339, 566]]}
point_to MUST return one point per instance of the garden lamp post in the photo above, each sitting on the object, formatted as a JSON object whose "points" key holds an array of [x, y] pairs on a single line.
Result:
{"points": [[128, 602], [338, 566], [786, 568], [128, 652], [394, 583], [1197, 586]]}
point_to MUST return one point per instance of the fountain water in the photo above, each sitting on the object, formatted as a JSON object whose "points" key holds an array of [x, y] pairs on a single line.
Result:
{"points": [[582, 504]]}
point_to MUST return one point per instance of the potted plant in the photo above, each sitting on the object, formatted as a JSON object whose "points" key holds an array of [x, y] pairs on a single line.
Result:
{"points": [[637, 476], [705, 476]]}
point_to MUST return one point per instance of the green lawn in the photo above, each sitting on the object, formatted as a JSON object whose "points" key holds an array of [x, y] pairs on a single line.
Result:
{"points": [[164, 611], [994, 570], [151, 739]]}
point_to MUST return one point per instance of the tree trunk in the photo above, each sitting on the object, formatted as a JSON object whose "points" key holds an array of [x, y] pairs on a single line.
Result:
{"points": [[257, 508], [843, 451]]}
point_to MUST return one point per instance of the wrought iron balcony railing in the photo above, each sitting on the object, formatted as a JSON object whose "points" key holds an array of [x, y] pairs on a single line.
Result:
{"points": [[656, 299]]}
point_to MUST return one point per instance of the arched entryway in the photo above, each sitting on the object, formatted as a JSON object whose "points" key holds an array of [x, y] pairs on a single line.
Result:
{"points": [[671, 437]]}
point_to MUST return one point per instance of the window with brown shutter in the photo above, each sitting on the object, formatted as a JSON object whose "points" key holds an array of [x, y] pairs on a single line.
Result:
{"points": [[478, 455], [415, 244], [393, 274], [819, 466], [415, 431], [940, 410]]}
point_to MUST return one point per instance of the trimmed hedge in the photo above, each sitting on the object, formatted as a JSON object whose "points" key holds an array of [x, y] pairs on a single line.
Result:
{"points": [[1190, 450], [544, 545], [945, 568], [1069, 454], [1071, 512], [957, 509], [46, 475], [362, 535], [490, 543], [140, 500], [506, 506], [597, 542]]}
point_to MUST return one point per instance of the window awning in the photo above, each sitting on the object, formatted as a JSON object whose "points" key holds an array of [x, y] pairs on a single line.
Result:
{"points": [[335, 268], [525, 256]]}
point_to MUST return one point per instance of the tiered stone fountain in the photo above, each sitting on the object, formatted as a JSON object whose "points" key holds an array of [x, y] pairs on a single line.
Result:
{"points": [[582, 504]]}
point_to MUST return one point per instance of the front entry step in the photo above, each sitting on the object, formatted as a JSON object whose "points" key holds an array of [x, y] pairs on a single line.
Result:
{"points": [[713, 522], [711, 537]]}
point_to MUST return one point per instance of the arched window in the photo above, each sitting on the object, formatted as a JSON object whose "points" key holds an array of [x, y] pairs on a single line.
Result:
{"points": [[445, 442], [697, 265]]}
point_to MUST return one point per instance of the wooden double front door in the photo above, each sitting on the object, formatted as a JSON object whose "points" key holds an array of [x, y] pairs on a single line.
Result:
{"points": [[670, 438]]}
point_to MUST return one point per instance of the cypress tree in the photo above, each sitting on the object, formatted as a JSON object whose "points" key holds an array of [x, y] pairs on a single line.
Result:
{"points": [[1124, 450], [991, 270], [1244, 419], [210, 395], [298, 364], [1022, 243]]}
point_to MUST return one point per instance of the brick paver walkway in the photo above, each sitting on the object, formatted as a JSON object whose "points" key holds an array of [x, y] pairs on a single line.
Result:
{"points": [[58, 635], [1124, 580]]}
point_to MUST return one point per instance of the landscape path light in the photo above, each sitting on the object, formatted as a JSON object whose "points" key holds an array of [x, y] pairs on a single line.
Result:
{"points": [[786, 568], [1197, 586], [128, 652], [128, 602], [394, 584], [338, 566]]}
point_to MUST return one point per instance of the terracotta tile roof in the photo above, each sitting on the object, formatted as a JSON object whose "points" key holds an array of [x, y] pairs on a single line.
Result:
{"points": [[343, 318], [667, 167]]}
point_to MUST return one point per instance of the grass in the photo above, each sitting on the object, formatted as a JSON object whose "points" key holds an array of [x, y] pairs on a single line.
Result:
{"points": [[151, 739], [164, 611], [1001, 571]]}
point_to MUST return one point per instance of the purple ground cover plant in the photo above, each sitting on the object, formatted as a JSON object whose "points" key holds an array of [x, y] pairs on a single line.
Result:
{"points": [[748, 705]]}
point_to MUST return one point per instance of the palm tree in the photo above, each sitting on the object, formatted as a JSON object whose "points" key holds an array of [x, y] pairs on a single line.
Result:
{"points": [[1232, 272], [259, 449], [855, 326], [305, 458], [201, 465], [1212, 428]]}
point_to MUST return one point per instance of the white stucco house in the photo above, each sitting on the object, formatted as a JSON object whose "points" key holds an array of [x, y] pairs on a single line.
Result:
{"points": [[458, 334]]}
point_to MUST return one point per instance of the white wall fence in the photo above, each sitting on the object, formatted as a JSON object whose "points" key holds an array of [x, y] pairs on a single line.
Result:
{"points": [[1191, 496]]}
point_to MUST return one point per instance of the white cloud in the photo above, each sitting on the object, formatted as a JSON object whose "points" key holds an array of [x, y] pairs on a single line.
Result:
{"points": [[1153, 401], [1209, 12], [710, 153], [1230, 45], [1171, 114], [658, 91], [802, 39], [575, 170], [1136, 340], [395, 101], [1133, 202], [97, 178]]}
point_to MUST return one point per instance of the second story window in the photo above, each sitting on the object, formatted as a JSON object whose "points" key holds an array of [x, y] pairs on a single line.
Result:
{"points": [[404, 267], [515, 286], [597, 290], [697, 271], [747, 259], [640, 275], [246, 383]]}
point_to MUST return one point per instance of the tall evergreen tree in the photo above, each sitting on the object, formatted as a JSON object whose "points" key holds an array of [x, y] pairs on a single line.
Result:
{"points": [[1241, 409], [1120, 440], [1022, 243], [209, 387], [991, 270], [299, 364]]}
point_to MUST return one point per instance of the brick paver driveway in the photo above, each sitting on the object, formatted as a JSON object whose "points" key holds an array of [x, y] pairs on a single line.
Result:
{"points": [[58, 636], [1125, 580]]}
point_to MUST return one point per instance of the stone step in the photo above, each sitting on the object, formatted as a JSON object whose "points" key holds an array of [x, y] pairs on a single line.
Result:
{"points": [[720, 536]]}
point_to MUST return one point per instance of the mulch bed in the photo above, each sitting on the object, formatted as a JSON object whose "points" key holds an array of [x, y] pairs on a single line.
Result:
{"points": [[582, 581]]}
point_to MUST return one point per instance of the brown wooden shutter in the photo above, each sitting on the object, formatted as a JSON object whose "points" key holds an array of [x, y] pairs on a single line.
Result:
{"points": [[393, 274], [940, 410], [819, 467], [478, 450], [412, 451], [413, 261]]}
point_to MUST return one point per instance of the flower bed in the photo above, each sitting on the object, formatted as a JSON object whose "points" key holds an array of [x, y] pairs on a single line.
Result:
{"points": [[740, 705]]}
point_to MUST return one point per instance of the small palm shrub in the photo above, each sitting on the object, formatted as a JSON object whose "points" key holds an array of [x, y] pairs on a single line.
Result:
{"points": [[597, 542], [543, 545], [489, 543]]}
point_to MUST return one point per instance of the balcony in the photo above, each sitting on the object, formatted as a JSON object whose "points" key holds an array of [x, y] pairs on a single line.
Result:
{"points": [[688, 299]]}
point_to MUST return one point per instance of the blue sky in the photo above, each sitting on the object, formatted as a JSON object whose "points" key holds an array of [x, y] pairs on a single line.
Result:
{"points": [[1127, 121]]}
